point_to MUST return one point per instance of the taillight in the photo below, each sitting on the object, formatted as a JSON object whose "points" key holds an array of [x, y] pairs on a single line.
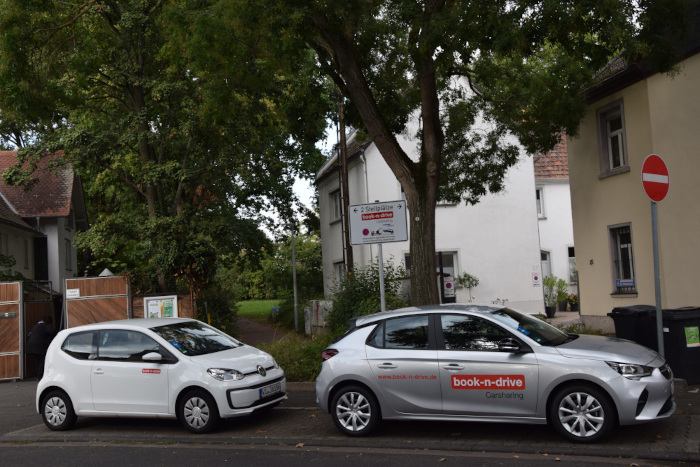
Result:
{"points": [[328, 353]]}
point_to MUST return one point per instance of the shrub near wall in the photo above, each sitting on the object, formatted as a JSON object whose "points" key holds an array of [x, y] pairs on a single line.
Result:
{"points": [[358, 294], [299, 357]]}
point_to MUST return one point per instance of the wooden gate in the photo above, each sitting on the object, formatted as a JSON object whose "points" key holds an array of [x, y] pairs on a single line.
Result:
{"points": [[36, 304], [11, 345], [97, 299]]}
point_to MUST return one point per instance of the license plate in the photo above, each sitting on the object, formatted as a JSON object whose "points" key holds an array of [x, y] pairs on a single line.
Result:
{"points": [[270, 390]]}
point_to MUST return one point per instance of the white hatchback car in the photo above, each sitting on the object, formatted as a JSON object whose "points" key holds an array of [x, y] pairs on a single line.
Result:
{"points": [[155, 368]]}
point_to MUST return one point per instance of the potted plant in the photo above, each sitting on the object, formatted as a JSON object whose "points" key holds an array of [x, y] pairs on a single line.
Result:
{"points": [[468, 281], [573, 302], [555, 290], [562, 294]]}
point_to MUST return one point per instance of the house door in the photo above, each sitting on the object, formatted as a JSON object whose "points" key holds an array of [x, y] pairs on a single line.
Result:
{"points": [[546, 265]]}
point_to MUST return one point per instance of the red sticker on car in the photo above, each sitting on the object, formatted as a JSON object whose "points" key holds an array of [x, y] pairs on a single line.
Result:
{"points": [[150, 371], [488, 382]]}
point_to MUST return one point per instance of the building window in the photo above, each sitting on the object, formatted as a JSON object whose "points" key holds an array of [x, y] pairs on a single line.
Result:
{"points": [[336, 206], [622, 260], [612, 141], [449, 259], [573, 272], [540, 202], [69, 256]]}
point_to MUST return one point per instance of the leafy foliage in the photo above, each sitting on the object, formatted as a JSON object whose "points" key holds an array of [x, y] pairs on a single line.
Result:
{"points": [[180, 124], [555, 290], [6, 271], [300, 357], [358, 294], [470, 73]]}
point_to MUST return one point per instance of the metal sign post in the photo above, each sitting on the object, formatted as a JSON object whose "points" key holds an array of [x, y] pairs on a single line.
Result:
{"points": [[378, 223], [655, 181]]}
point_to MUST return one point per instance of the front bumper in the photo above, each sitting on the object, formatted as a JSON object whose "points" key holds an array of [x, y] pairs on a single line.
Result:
{"points": [[244, 400], [650, 398]]}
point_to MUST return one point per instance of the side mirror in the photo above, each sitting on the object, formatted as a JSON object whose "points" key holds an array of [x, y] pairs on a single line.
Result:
{"points": [[152, 357], [511, 345]]}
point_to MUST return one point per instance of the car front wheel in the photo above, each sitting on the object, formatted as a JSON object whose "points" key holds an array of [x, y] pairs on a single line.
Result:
{"points": [[355, 411], [57, 411], [197, 412], [582, 413]]}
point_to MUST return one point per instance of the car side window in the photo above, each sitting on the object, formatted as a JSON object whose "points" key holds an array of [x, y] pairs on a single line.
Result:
{"points": [[461, 332], [376, 339], [121, 345], [410, 332], [81, 345]]}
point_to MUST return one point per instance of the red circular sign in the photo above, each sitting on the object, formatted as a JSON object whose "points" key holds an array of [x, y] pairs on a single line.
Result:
{"points": [[655, 179]]}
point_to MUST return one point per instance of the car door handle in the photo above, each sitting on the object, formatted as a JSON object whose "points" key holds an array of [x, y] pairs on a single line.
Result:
{"points": [[386, 366], [453, 367], [99, 371]]}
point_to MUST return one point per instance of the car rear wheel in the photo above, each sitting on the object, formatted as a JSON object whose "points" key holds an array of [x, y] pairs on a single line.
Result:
{"points": [[197, 412], [582, 413], [355, 411], [57, 411]]}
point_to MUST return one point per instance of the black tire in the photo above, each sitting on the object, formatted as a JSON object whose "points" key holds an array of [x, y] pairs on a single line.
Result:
{"points": [[582, 413], [355, 411], [198, 412], [57, 411]]}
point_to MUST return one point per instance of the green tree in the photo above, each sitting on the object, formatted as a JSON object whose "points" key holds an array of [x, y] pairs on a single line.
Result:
{"points": [[181, 126], [471, 72]]}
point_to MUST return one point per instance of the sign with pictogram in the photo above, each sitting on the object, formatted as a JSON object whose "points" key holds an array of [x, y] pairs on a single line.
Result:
{"points": [[378, 223], [655, 178]]}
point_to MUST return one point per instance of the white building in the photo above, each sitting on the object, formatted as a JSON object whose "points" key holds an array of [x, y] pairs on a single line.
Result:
{"points": [[496, 240], [554, 215]]}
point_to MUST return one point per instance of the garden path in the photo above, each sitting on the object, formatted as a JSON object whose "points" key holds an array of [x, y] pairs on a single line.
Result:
{"points": [[254, 333]]}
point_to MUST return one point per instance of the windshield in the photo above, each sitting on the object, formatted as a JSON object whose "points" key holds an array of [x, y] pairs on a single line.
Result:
{"points": [[196, 338], [534, 328]]}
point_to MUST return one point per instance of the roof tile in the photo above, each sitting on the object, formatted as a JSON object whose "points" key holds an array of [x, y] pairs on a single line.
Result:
{"points": [[50, 197]]}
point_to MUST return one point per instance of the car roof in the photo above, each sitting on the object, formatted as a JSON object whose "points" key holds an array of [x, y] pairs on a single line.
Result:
{"points": [[425, 309], [135, 323]]}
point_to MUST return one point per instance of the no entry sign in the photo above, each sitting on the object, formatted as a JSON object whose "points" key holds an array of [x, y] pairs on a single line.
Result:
{"points": [[655, 178]]}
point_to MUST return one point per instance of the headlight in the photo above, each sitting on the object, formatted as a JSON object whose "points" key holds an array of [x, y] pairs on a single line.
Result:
{"points": [[223, 374], [631, 370], [275, 364]]}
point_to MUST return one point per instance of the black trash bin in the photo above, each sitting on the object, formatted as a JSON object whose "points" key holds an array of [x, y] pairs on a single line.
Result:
{"points": [[636, 323], [681, 325], [681, 343]]}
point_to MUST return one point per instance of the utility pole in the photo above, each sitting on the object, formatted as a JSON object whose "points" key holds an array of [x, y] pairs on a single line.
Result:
{"points": [[344, 191]]}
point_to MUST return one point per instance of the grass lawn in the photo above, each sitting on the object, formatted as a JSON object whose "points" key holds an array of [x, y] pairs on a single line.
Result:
{"points": [[257, 310]]}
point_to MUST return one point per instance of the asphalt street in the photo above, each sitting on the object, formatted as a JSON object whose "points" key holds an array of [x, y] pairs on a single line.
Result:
{"points": [[299, 425]]}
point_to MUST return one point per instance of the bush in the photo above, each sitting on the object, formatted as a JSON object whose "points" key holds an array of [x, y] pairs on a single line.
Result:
{"points": [[299, 357], [358, 294]]}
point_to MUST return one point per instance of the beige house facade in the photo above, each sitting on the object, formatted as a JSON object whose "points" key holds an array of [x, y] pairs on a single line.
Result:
{"points": [[632, 114]]}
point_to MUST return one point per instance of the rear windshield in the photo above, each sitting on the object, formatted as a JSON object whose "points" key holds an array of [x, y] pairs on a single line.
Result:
{"points": [[196, 338], [534, 328]]}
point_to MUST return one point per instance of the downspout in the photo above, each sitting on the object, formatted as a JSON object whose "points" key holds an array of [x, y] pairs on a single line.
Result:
{"points": [[364, 165]]}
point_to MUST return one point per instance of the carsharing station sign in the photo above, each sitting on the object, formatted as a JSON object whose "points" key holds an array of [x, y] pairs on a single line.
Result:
{"points": [[378, 223]]}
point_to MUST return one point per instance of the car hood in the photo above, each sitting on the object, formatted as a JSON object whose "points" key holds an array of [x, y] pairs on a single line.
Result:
{"points": [[608, 349], [244, 359]]}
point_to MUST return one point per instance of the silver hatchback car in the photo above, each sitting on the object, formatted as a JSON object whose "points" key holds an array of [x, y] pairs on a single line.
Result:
{"points": [[489, 364]]}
